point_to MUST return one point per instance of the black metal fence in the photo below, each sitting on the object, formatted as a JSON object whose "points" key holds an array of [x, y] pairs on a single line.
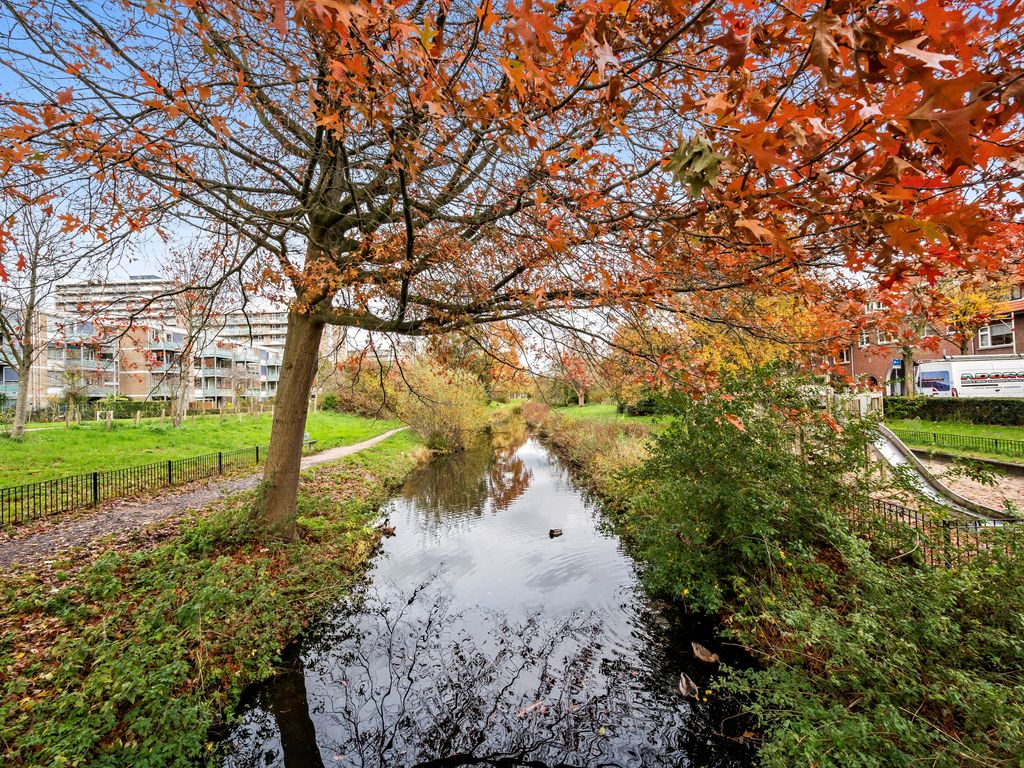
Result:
{"points": [[51, 497], [942, 543], [1000, 445]]}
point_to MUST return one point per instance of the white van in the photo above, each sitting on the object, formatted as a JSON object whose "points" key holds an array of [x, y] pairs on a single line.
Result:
{"points": [[972, 376]]}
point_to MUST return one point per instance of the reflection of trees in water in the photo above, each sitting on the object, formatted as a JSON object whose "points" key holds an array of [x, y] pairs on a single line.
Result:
{"points": [[414, 684], [509, 474], [461, 483]]}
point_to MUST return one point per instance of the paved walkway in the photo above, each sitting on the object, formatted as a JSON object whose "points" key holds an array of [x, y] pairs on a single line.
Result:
{"points": [[126, 516]]}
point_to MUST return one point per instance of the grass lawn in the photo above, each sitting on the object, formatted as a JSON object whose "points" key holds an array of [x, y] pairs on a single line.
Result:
{"points": [[962, 428], [50, 453], [601, 412]]}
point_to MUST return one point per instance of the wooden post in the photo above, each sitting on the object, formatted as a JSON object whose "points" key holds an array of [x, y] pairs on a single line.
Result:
{"points": [[110, 420], [163, 415], [138, 417]]}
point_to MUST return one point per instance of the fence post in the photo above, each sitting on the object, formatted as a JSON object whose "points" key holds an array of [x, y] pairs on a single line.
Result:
{"points": [[947, 544], [170, 467], [95, 488], [257, 454], [220, 462]]}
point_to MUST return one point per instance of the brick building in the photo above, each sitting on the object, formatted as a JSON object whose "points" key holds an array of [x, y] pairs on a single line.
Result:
{"points": [[873, 360]]}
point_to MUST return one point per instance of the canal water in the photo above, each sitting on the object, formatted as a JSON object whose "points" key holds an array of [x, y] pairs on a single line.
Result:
{"points": [[479, 638]]}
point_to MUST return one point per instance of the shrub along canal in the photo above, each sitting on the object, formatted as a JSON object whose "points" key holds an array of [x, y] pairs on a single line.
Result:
{"points": [[480, 638]]}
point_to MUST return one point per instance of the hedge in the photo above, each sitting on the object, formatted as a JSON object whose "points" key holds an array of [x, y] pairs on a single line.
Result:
{"points": [[646, 405], [976, 410]]}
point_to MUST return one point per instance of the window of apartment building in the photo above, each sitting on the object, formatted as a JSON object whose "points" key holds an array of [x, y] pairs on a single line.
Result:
{"points": [[885, 337], [1017, 292], [864, 339], [874, 306], [846, 355], [997, 334]]}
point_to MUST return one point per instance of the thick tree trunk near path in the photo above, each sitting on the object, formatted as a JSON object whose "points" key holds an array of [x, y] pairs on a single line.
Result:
{"points": [[581, 398], [21, 398], [280, 486]]}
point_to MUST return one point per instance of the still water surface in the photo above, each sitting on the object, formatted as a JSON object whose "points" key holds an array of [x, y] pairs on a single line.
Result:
{"points": [[479, 639]]}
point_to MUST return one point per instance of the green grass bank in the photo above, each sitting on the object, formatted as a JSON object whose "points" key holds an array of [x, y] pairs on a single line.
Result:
{"points": [[129, 659], [50, 453], [1008, 452]]}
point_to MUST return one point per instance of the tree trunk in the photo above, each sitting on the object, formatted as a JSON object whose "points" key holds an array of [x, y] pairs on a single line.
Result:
{"points": [[581, 398], [908, 371], [281, 474], [21, 399], [181, 403]]}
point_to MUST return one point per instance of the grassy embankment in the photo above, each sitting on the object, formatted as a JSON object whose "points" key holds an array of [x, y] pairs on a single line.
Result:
{"points": [[965, 429], [604, 412], [869, 658], [128, 660], [46, 454]]}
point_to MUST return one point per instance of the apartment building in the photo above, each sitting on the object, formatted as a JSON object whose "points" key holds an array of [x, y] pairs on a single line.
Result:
{"points": [[266, 329], [139, 296], [90, 361], [151, 366], [123, 337], [228, 373]]}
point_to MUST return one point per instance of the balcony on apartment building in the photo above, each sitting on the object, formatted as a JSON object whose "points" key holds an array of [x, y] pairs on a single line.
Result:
{"points": [[89, 362], [246, 355], [213, 373], [206, 390], [165, 345]]}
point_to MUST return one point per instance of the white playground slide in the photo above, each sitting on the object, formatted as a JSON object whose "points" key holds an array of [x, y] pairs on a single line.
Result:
{"points": [[894, 452]]}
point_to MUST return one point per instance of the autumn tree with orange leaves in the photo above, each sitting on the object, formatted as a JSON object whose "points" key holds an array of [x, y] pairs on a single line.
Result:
{"points": [[423, 167]]}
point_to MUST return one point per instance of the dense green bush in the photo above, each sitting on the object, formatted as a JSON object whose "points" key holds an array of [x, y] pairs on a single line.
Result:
{"points": [[869, 658], [648, 404], [976, 410], [871, 663], [742, 480]]}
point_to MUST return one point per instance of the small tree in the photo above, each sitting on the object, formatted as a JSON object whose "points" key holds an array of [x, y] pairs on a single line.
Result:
{"points": [[46, 252], [204, 273], [445, 406]]}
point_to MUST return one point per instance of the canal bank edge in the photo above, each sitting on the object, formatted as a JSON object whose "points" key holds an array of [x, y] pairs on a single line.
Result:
{"points": [[130, 657]]}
